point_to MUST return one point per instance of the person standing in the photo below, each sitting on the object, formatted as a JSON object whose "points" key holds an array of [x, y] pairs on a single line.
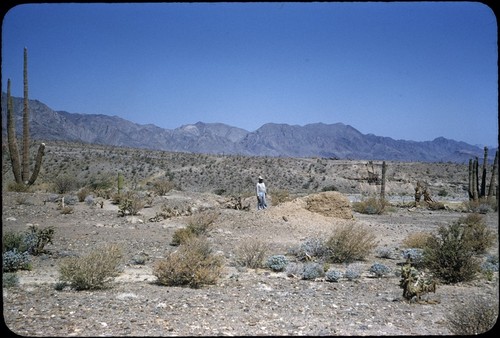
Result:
{"points": [[261, 194]]}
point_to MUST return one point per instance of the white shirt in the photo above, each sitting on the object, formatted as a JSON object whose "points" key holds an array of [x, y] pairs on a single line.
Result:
{"points": [[261, 187]]}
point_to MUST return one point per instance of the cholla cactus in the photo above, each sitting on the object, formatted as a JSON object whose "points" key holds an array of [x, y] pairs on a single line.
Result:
{"points": [[415, 283]]}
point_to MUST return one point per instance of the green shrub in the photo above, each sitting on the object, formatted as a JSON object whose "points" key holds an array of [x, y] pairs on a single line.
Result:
{"points": [[477, 233], [350, 242], [251, 253], [12, 240], [10, 280], [193, 265], [475, 317], [93, 271], [370, 206], [450, 254]]}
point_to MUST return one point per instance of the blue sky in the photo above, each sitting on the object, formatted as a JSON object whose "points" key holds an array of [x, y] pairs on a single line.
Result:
{"points": [[409, 70]]}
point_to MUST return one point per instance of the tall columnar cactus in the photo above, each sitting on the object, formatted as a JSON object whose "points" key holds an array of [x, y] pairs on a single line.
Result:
{"points": [[477, 190], [26, 126], [11, 138], [382, 186], [482, 192], [491, 190], [22, 177]]}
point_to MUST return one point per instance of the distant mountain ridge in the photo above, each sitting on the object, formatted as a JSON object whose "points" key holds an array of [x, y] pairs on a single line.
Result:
{"points": [[312, 140]]}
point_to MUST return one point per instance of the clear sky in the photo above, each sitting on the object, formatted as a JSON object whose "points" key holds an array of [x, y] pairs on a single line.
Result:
{"points": [[409, 70]]}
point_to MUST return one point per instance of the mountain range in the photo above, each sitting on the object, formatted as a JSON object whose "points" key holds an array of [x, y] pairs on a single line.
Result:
{"points": [[336, 140]]}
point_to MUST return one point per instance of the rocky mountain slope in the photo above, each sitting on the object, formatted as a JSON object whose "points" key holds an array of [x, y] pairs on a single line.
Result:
{"points": [[282, 140]]}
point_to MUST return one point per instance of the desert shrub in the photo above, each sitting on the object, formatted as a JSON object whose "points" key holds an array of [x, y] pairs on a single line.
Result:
{"points": [[89, 200], [93, 271], [477, 316], [333, 275], [251, 253], [12, 240], [13, 260], [18, 187], [414, 255], [162, 187], [477, 233], [379, 270], [384, 253], [350, 242], [312, 271], [353, 271], [489, 267], [198, 224], [193, 264], [64, 183], [83, 193], [329, 188], [32, 241], [10, 280], [181, 236], [416, 240], [370, 206], [130, 204], [481, 206], [294, 269], [450, 254], [311, 248], [277, 263], [202, 222]]}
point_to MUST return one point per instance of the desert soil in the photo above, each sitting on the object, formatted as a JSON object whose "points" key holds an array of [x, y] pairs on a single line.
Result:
{"points": [[244, 302]]}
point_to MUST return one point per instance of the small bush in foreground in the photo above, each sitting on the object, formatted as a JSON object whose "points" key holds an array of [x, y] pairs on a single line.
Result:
{"points": [[450, 255], [14, 260], [333, 275], [94, 271], [277, 263], [10, 280], [476, 317], [251, 253], [193, 264], [353, 271], [379, 270], [310, 249], [312, 271], [350, 242]]}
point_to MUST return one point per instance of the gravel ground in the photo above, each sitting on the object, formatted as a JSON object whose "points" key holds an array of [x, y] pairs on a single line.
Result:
{"points": [[244, 302]]}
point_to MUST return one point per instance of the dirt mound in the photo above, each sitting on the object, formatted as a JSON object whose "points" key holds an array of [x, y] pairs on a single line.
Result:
{"points": [[329, 204]]}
